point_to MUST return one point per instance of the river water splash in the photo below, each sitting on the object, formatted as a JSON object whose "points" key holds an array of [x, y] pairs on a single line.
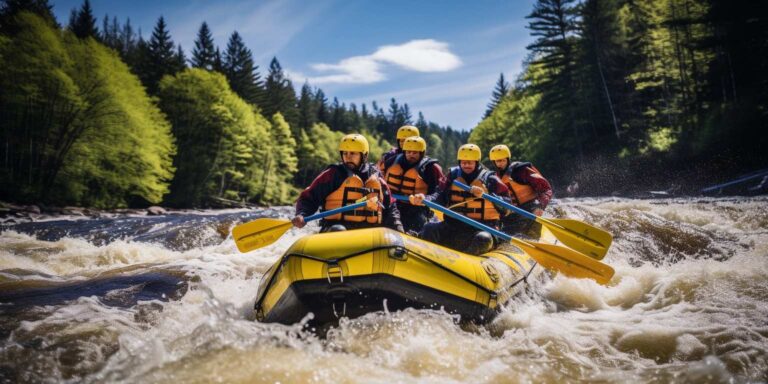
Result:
{"points": [[169, 299]]}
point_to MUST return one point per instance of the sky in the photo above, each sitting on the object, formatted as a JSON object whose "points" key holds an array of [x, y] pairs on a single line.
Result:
{"points": [[442, 58]]}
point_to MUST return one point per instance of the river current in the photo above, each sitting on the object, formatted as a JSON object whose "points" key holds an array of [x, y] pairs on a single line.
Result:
{"points": [[170, 299]]}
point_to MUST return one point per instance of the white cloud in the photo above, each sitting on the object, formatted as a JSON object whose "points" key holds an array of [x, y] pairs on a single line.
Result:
{"points": [[419, 55], [355, 70], [416, 55]]}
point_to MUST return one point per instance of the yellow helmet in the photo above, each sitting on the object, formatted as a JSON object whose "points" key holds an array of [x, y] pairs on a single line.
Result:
{"points": [[414, 143], [407, 131], [354, 143], [499, 152], [469, 152]]}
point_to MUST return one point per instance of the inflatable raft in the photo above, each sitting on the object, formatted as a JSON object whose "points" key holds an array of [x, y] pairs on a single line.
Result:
{"points": [[351, 273]]}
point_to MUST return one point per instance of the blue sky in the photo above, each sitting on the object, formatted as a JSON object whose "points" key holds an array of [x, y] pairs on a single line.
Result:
{"points": [[441, 57]]}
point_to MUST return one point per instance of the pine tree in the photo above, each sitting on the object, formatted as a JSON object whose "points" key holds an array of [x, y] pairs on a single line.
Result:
{"points": [[110, 34], [241, 73], [127, 39], [600, 52], [203, 55], [337, 116], [159, 58], [180, 59], [321, 105], [84, 24], [307, 110], [554, 23], [422, 125], [218, 63], [280, 96], [501, 90], [405, 112]]}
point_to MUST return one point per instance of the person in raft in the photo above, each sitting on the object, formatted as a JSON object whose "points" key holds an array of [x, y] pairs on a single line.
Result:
{"points": [[529, 190], [345, 183], [454, 233], [388, 158], [413, 172]]}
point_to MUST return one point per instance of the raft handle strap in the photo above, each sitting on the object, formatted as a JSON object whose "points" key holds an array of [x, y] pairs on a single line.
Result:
{"points": [[336, 270]]}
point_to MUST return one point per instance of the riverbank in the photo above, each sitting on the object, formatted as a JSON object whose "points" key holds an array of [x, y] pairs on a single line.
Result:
{"points": [[11, 213]]}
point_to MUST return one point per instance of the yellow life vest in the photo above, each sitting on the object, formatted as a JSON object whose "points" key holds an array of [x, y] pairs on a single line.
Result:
{"points": [[406, 183], [352, 189], [521, 193], [478, 209]]}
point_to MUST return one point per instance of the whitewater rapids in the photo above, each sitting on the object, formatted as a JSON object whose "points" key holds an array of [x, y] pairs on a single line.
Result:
{"points": [[170, 299]]}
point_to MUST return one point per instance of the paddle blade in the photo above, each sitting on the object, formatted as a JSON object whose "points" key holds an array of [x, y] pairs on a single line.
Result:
{"points": [[585, 238], [438, 215], [259, 233], [567, 261]]}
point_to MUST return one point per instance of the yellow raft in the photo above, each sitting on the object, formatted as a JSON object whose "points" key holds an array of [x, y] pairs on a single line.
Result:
{"points": [[351, 273]]}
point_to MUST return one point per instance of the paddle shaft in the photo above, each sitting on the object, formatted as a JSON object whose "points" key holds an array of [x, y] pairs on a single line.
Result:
{"points": [[498, 201], [563, 259], [459, 217], [594, 241], [265, 231], [335, 211]]}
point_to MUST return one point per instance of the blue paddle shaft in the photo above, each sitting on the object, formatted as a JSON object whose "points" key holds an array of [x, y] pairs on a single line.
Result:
{"points": [[335, 211], [498, 201], [460, 217]]}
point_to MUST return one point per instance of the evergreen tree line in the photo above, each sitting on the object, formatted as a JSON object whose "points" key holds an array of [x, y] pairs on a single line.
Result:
{"points": [[105, 118], [616, 92]]}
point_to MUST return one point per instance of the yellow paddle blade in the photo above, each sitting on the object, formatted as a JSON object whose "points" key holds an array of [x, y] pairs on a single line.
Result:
{"points": [[567, 261], [578, 235], [259, 233]]}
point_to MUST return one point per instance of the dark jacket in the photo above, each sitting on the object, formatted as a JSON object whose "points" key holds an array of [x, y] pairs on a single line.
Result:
{"points": [[313, 197], [525, 173], [492, 183]]}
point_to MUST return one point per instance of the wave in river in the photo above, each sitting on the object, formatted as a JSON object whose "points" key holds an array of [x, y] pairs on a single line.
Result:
{"points": [[169, 298]]}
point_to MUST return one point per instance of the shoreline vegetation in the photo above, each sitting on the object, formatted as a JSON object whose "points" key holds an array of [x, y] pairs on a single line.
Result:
{"points": [[615, 98]]}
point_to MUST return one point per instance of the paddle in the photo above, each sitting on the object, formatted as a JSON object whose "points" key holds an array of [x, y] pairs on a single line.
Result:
{"points": [[438, 214], [578, 235], [262, 232], [567, 261]]}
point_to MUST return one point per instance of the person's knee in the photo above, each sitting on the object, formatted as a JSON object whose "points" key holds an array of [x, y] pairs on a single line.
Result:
{"points": [[430, 232], [482, 242], [336, 228]]}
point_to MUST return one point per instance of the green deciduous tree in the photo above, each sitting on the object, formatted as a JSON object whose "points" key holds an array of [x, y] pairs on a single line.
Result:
{"points": [[223, 144], [11, 8], [281, 163], [77, 126]]}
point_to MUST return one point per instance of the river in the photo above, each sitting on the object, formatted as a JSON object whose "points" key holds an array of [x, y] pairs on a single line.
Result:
{"points": [[169, 299]]}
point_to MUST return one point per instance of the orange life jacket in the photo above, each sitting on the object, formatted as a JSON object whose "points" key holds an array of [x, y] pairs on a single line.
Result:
{"points": [[352, 189], [387, 159], [521, 193], [410, 182], [478, 209]]}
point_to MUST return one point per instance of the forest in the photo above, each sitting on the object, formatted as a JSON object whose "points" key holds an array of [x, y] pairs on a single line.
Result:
{"points": [[615, 96], [101, 117], [625, 96]]}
